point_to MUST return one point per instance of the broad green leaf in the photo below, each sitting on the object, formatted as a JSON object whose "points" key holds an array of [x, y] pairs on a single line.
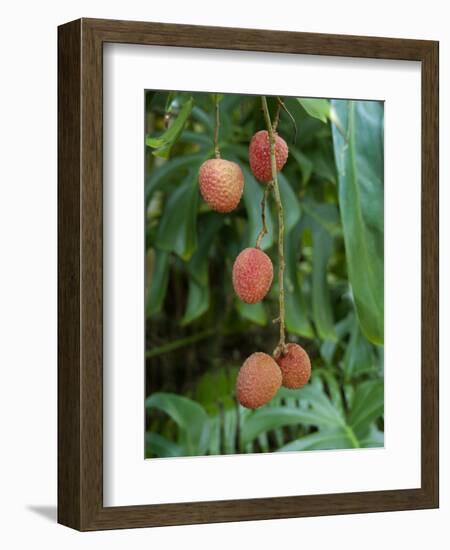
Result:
{"points": [[324, 215], [297, 320], [323, 243], [223, 436], [169, 171], [306, 165], [157, 287], [322, 413], [327, 415], [367, 406], [342, 328], [333, 388], [197, 302], [322, 308], [177, 230], [216, 385], [291, 207], [158, 445], [163, 143], [323, 164], [269, 418], [190, 417], [204, 118], [198, 294], [375, 438], [323, 439], [317, 108], [204, 142], [256, 313], [359, 356], [209, 225], [360, 165], [253, 194]]}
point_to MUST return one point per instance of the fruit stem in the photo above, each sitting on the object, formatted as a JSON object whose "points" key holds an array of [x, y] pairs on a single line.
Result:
{"points": [[216, 130], [281, 347], [264, 229]]}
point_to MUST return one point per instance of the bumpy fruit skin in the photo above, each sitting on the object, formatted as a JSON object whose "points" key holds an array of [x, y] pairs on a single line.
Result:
{"points": [[221, 184], [252, 275], [258, 380], [259, 155], [295, 367]]}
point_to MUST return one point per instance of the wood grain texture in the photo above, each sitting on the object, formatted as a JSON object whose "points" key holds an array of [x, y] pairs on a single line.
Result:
{"points": [[69, 247], [80, 264]]}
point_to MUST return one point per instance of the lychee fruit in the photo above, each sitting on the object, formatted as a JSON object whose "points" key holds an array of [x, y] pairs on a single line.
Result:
{"points": [[221, 184], [258, 380], [252, 275], [259, 155], [295, 366]]}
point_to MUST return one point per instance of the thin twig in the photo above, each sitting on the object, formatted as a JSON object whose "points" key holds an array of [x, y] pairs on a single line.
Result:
{"points": [[264, 229], [216, 130], [277, 115], [281, 103], [281, 348]]}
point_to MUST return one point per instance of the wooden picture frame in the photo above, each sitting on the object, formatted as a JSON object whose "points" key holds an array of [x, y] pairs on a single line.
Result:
{"points": [[80, 271]]}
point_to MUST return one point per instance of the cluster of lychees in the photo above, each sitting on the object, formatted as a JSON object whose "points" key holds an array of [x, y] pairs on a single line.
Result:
{"points": [[221, 186]]}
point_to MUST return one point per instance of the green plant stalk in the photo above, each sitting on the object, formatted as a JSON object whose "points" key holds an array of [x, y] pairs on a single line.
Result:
{"points": [[176, 344], [281, 347], [352, 437]]}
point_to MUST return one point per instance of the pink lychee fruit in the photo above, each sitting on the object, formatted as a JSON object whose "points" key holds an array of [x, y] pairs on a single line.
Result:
{"points": [[259, 155], [295, 366], [221, 184], [252, 275], [258, 380]]}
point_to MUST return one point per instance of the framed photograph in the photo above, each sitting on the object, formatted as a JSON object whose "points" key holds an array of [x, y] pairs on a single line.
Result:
{"points": [[248, 274]]}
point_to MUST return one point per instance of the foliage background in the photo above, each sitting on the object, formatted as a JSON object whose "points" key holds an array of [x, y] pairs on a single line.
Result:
{"points": [[198, 333]]}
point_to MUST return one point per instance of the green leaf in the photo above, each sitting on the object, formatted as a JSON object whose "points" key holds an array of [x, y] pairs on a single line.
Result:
{"points": [[198, 294], [359, 355], [297, 320], [367, 406], [157, 287], [197, 302], [204, 118], [317, 108], [191, 418], [170, 171], [209, 225], [177, 230], [163, 143], [291, 206], [253, 193], [324, 215], [321, 219], [216, 385], [306, 165], [326, 414], [158, 445], [322, 413], [334, 389], [360, 165], [342, 328], [270, 418], [323, 439], [323, 163], [375, 438], [256, 313]]}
